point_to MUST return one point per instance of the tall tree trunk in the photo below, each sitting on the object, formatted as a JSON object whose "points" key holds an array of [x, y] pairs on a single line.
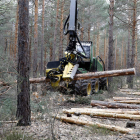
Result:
{"points": [[11, 46], [125, 57], [122, 53], [107, 50], [94, 42], [111, 42], [6, 45], [98, 42], [16, 32], [42, 41], [128, 52], [105, 47], [89, 32], [133, 42], [55, 32], [45, 57], [30, 41], [23, 85], [136, 50], [61, 30], [51, 52], [115, 53], [34, 87], [117, 58], [82, 29]]}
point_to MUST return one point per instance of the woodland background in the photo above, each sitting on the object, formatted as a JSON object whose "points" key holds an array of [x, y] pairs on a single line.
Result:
{"points": [[47, 43], [46, 39]]}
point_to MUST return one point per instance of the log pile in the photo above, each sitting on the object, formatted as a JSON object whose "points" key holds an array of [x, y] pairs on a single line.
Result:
{"points": [[127, 100], [89, 123], [124, 98], [113, 105], [104, 113], [117, 109]]}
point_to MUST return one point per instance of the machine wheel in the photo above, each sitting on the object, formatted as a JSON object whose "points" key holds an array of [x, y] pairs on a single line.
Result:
{"points": [[95, 85], [104, 83], [83, 87]]}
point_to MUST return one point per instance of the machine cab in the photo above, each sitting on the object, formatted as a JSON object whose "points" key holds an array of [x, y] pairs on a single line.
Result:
{"points": [[87, 46]]}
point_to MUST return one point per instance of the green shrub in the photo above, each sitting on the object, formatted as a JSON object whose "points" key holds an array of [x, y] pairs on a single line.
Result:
{"points": [[8, 109], [17, 136]]}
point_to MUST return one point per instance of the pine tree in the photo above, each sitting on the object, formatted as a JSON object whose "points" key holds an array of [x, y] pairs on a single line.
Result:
{"points": [[35, 67], [42, 41], [23, 85], [111, 42]]}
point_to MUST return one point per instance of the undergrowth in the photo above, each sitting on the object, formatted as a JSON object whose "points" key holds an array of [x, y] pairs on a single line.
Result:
{"points": [[7, 109], [16, 136], [94, 129]]}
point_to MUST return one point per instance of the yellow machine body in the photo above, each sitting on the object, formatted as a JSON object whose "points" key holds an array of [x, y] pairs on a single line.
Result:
{"points": [[68, 73]]}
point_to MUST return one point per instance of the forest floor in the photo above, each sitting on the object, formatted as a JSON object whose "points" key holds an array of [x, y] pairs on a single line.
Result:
{"points": [[44, 127]]}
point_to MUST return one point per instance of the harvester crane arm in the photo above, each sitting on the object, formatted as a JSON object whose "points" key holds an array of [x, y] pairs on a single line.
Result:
{"points": [[72, 29]]}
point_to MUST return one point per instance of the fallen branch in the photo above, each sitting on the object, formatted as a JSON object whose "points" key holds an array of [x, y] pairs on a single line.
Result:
{"points": [[105, 114], [113, 105], [92, 110], [7, 84], [89, 123], [6, 90], [4, 84]]}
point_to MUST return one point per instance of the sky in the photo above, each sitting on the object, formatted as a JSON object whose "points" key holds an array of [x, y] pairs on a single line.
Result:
{"points": [[107, 1]]}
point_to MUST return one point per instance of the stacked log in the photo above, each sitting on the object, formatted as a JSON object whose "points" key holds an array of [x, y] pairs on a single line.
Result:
{"points": [[89, 123], [92, 110], [113, 105], [104, 114], [124, 98]]}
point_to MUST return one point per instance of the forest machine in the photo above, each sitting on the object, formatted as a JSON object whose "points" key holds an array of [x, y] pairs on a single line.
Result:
{"points": [[78, 59]]}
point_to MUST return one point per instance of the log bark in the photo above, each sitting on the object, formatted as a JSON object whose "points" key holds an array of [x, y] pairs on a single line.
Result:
{"points": [[104, 114], [133, 93], [39, 80], [92, 75], [89, 75], [112, 73], [130, 101], [89, 123], [124, 98], [127, 90], [91, 110], [113, 105]]}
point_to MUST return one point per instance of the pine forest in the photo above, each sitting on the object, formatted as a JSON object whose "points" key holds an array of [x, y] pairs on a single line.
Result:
{"points": [[51, 91]]}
